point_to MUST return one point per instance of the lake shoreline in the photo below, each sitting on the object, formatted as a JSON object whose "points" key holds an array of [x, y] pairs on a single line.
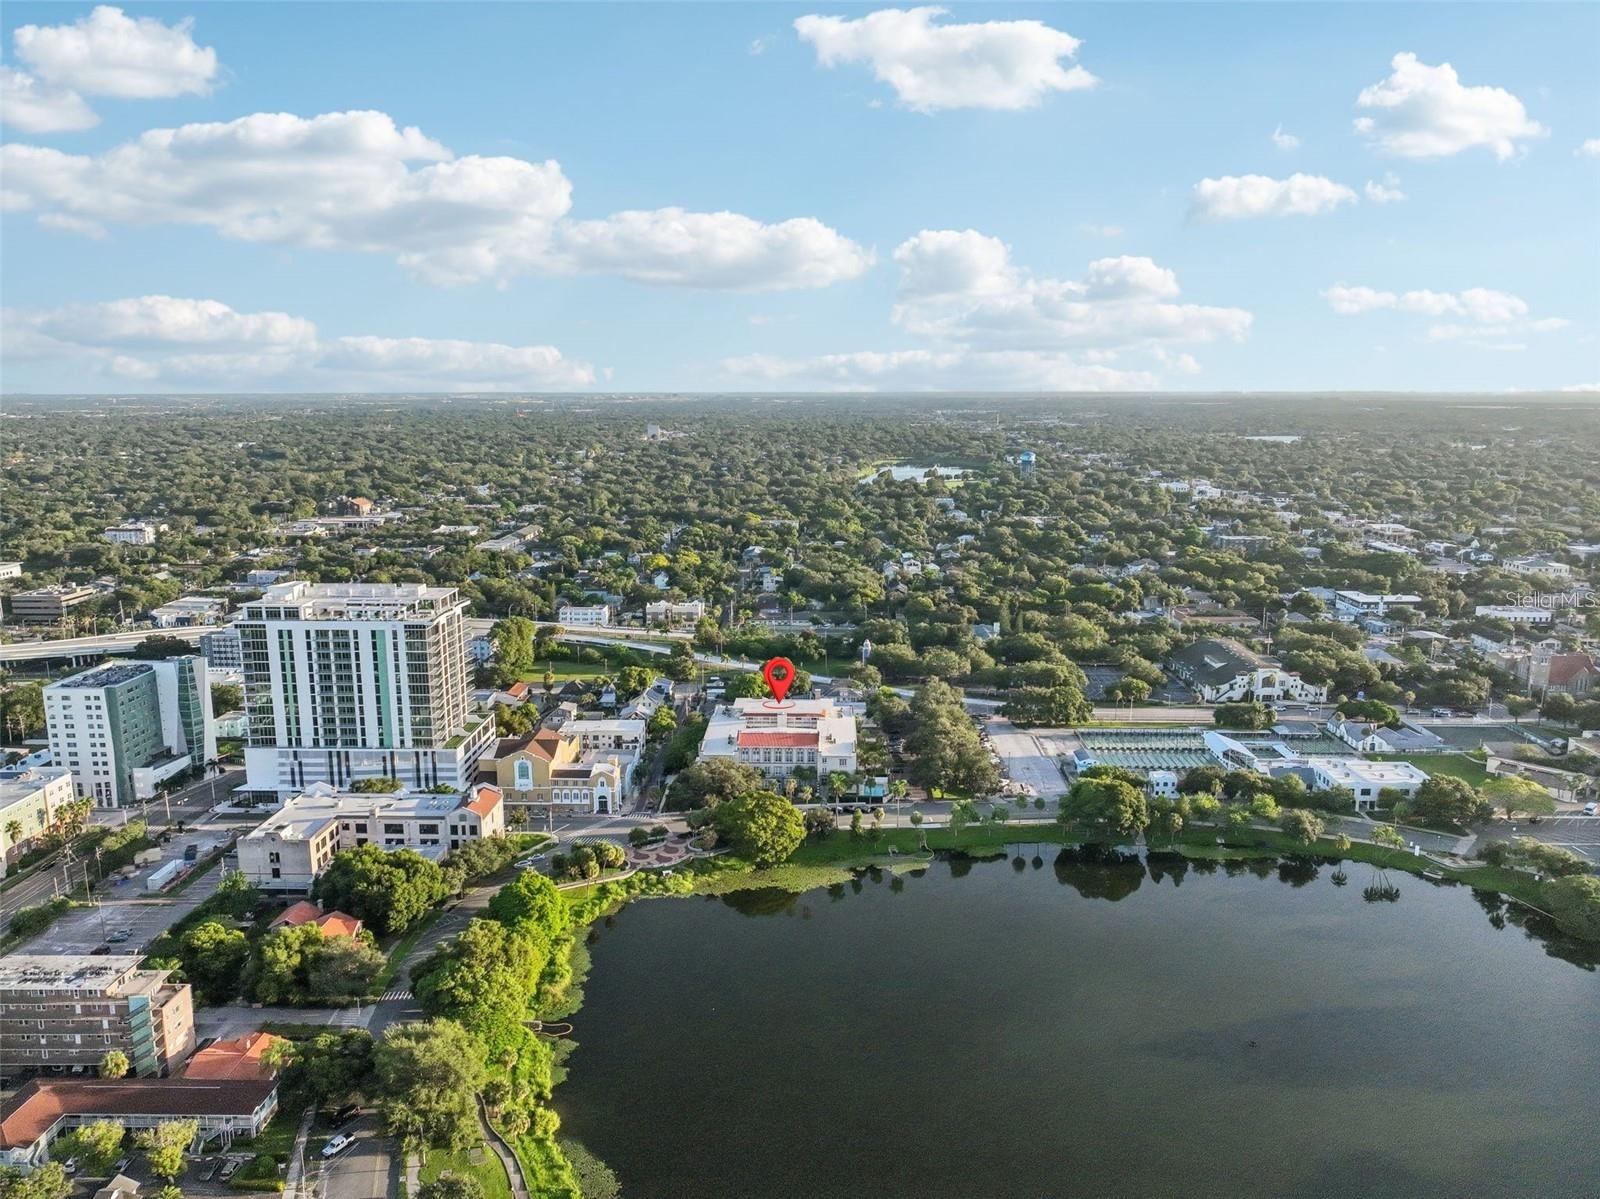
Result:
{"points": [[840, 858]]}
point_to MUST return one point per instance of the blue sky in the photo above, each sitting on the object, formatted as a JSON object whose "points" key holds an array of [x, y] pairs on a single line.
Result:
{"points": [[891, 201]]}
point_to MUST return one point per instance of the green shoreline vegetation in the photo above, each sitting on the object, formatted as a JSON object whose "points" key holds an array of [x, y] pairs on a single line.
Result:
{"points": [[829, 861], [498, 996]]}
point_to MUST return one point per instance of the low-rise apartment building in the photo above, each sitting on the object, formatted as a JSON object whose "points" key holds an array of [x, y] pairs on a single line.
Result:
{"points": [[1515, 614], [189, 610], [295, 844], [1351, 604], [674, 613], [137, 532], [222, 1109], [64, 1012], [578, 616], [621, 735], [1538, 566]]}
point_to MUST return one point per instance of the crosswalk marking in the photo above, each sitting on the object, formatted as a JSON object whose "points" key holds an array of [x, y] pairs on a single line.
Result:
{"points": [[397, 993]]}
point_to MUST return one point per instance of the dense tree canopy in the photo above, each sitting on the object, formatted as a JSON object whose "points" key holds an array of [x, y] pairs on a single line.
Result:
{"points": [[762, 827], [428, 1074], [388, 890]]}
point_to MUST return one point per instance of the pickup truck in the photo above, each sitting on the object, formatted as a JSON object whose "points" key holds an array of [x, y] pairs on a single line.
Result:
{"points": [[337, 1145]]}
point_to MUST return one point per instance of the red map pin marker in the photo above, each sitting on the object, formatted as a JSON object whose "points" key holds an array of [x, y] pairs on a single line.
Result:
{"points": [[779, 673]]}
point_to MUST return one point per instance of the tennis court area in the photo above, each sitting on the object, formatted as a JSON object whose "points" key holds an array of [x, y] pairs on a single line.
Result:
{"points": [[1146, 749], [1182, 749]]}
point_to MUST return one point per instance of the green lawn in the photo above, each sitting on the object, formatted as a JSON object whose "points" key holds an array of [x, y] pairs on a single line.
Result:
{"points": [[491, 1175], [277, 1138], [1456, 765], [565, 668]]}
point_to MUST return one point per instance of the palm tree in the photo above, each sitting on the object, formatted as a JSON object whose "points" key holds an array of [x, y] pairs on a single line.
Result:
{"points": [[13, 833], [898, 790]]}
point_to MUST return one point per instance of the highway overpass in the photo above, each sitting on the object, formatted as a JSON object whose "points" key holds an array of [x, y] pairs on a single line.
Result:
{"points": [[85, 650]]}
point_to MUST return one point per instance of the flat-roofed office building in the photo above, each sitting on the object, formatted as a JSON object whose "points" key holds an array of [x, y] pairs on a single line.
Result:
{"points": [[45, 605]]}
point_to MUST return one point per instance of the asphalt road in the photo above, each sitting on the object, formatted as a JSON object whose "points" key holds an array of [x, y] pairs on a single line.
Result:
{"points": [[368, 1170], [403, 1006]]}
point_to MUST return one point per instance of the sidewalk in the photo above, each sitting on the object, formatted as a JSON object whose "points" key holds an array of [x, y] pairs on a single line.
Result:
{"points": [[297, 1160]]}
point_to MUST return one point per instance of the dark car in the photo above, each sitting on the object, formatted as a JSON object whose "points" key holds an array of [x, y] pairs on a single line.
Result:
{"points": [[345, 1114]]}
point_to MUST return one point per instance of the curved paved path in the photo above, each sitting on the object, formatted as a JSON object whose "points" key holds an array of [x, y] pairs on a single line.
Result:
{"points": [[508, 1159]]}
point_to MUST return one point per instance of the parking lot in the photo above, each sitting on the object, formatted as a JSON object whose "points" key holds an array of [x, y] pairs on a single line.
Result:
{"points": [[1580, 834], [122, 908], [1025, 760]]}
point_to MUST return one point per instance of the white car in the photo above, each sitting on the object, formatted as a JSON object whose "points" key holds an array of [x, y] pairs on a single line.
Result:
{"points": [[1590, 809], [337, 1146]]}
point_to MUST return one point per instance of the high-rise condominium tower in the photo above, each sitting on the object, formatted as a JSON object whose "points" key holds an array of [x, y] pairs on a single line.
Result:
{"points": [[345, 681]]}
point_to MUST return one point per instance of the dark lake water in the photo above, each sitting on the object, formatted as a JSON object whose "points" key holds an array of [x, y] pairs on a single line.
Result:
{"points": [[1058, 1026]]}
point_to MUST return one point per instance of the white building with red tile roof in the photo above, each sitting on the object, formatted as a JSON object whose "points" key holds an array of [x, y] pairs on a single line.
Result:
{"points": [[778, 738]]}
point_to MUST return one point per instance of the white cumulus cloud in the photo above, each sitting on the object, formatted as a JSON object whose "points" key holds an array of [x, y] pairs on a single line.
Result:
{"points": [[1235, 196], [403, 361], [1387, 192], [180, 342], [147, 321], [1421, 111], [1284, 141], [35, 107], [991, 324], [962, 286], [1590, 148], [1480, 315], [936, 370], [108, 53], [1350, 301], [355, 181], [712, 249], [931, 66]]}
